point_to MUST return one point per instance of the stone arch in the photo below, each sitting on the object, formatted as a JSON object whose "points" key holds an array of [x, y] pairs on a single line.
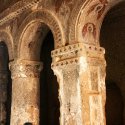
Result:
{"points": [[73, 19], [88, 19], [7, 38], [40, 19]]}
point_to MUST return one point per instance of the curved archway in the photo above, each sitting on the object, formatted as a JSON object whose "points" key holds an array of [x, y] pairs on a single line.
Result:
{"points": [[32, 35], [39, 20], [87, 23], [7, 38]]}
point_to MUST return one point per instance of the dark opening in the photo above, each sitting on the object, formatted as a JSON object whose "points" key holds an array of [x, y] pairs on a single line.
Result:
{"points": [[114, 104], [49, 103], [113, 40], [28, 123], [7, 83]]}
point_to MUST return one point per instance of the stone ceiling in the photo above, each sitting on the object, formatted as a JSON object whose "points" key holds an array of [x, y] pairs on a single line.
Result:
{"points": [[4, 4]]}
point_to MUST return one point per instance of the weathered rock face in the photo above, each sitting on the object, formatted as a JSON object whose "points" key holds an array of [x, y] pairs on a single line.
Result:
{"points": [[77, 60]]}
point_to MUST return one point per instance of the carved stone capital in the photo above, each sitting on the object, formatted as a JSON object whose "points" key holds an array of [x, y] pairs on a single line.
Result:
{"points": [[78, 54], [94, 51], [95, 55], [78, 50], [71, 55], [25, 68], [68, 52]]}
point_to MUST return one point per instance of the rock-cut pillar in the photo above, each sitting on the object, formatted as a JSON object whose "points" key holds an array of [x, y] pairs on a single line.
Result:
{"points": [[80, 71], [25, 92]]}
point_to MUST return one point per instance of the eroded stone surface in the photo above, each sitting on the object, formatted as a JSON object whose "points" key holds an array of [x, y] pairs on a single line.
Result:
{"points": [[25, 106]]}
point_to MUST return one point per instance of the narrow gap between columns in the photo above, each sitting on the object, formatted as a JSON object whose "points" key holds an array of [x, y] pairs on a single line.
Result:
{"points": [[49, 103], [5, 85]]}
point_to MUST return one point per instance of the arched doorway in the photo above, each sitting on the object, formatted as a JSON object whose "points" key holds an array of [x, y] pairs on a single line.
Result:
{"points": [[5, 85], [34, 48], [112, 39], [40, 43]]}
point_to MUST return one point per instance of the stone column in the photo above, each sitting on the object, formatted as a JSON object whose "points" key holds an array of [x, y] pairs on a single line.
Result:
{"points": [[3, 96], [25, 92], [80, 70]]}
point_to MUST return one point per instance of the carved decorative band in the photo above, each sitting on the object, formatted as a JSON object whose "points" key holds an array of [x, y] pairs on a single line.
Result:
{"points": [[77, 50], [67, 49], [76, 61], [15, 12], [94, 51], [23, 69], [68, 52]]}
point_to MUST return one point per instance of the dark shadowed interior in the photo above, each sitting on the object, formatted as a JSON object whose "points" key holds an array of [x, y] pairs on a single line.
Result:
{"points": [[4, 69], [113, 40], [48, 86]]}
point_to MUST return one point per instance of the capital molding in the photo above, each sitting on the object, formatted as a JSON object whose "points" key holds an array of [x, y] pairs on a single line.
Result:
{"points": [[68, 52], [25, 68], [75, 53]]}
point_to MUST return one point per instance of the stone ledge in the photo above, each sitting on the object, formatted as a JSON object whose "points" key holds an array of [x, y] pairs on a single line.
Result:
{"points": [[77, 50]]}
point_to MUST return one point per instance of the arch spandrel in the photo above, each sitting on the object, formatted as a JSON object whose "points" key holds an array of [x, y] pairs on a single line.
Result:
{"points": [[90, 15], [7, 38], [48, 21]]}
